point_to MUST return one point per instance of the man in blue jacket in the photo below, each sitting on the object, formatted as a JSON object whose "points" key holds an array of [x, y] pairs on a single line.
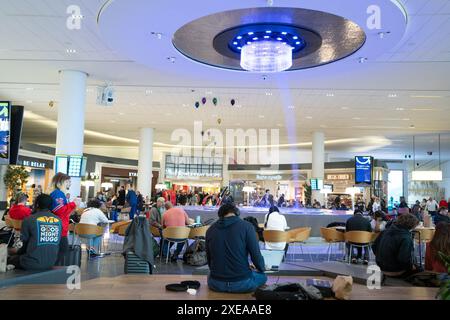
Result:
{"points": [[229, 242], [132, 201]]}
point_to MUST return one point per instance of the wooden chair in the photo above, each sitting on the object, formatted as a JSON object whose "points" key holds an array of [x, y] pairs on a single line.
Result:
{"points": [[332, 237], [88, 231], [199, 232], [359, 239], [422, 236], [175, 235], [299, 236]]}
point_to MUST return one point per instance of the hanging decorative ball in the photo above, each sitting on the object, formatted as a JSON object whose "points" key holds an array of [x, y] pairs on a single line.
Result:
{"points": [[219, 121], [197, 104], [232, 102], [51, 104], [215, 101], [203, 100]]}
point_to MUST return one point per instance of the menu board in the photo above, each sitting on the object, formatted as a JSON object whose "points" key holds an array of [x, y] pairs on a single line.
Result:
{"points": [[74, 166], [5, 131], [363, 170], [316, 184]]}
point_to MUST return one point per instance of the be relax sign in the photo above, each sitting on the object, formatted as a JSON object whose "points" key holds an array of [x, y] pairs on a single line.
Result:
{"points": [[35, 163]]}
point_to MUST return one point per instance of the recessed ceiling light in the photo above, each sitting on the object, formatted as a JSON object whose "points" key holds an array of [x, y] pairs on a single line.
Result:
{"points": [[291, 107], [400, 109], [268, 31], [148, 91], [261, 116], [121, 113], [266, 37], [71, 50], [279, 39], [239, 37], [295, 37], [309, 117], [29, 101], [268, 93], [406, 119], [29, 89], [250, 33], [344, 108], [392, 95], [356, 118], [284, 33], [330, 94]]}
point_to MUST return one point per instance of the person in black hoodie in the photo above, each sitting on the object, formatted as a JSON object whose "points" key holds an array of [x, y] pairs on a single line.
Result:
{"points": [[394, 247], [358, 223], [229, 242]]}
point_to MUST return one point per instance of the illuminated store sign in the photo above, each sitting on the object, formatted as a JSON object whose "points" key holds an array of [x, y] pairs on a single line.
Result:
{"points": [[263, 177]]}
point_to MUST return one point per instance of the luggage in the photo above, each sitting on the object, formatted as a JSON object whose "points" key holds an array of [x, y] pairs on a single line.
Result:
{"points": [[195, 254], [72, 256], [134, 264]]}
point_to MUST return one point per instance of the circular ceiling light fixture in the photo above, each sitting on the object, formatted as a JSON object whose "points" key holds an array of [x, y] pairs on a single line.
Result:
{"points": [[266, 56]]}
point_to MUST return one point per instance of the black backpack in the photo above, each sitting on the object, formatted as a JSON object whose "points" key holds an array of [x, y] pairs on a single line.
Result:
{"points": [[288, 291], [195, 254]]}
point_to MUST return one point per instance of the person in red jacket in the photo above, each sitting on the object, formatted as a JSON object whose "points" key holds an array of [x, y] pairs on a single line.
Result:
{"points": [[19, 210], [443, 203], [63, 209]]}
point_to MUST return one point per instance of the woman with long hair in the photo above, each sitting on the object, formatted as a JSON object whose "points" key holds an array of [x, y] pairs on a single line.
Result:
{"points": [[440, 243]]}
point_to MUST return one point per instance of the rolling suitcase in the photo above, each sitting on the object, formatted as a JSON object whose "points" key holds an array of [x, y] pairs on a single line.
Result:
{"points": [[72, 256], [134, 264]]}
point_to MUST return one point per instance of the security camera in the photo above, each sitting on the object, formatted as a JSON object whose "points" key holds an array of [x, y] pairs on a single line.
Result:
{"points": [[105, 96], [430, 153], [265, 76]]}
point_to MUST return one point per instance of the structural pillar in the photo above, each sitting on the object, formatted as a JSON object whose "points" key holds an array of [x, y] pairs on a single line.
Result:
{"points": [[71, 110], [318, 163], [145, 165]]}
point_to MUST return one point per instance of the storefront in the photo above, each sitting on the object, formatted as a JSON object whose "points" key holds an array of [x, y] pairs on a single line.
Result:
{"points": [[193, 174], [41, 173]]}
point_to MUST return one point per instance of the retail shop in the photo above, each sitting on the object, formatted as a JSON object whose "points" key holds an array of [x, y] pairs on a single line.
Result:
{"points": [[40, 170]]}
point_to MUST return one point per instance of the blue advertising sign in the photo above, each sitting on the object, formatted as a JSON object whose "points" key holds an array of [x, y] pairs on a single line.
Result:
{"points": [[363, 170], [5, 131]]}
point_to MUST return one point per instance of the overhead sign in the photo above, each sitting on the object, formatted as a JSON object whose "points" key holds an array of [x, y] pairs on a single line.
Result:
{"points": [[35, 162], [316, 184], [265, 177], [338, 177], [363, 170], [74, 166], [5, 132]]}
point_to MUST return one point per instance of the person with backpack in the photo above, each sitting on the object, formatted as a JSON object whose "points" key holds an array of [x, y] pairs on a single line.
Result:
{"points": [[229, 243]]}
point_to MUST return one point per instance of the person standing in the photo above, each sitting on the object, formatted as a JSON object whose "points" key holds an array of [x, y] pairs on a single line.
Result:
{"points": [[131, 199], [432, 207], [63, 209], [140, 202], [121, 197]]}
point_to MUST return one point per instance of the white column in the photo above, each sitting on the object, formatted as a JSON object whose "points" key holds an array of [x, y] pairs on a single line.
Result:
{"points": [[318, 162], [145, 164], [71, 109]]}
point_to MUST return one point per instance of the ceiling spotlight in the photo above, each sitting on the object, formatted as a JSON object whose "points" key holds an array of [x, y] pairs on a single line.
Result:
{"points": [[399, 109], [239, 37], [268, 93], [148, 91], [291, 107], [392, 95], [330, 94], [171, 59], [71, 51]]}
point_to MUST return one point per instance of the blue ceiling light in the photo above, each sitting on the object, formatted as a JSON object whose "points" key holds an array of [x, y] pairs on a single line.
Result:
{"points": [[279, 39], [266, 37], [268, 31], [235, 43], [255, 38], [284, 33], [239, 37], [250, 33], [295, 37]]}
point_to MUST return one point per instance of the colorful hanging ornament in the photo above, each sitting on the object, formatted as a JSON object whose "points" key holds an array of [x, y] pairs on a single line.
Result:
{"points": [[232, 102], [219, 121], [203, 100], [197, 104], [215, 101]]}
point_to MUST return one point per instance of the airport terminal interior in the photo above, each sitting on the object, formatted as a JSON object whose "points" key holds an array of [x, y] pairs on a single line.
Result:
{"points": [[221, 150]]}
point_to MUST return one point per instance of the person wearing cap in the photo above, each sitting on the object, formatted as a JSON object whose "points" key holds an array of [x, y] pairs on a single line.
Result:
{"points": [[229, 242]]}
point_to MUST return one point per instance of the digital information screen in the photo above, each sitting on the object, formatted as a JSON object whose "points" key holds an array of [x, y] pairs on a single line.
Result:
{"points": [[316, 184], [74, 166], [363, 170], [5, 131]]}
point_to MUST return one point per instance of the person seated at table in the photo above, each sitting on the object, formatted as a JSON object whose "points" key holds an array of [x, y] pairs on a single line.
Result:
{"points": [[394, 248], [378, 222], [174, 217], [358, 223], [275, 221], [229, 243], [19, 210], [41, 236], [440, 243], [156, 213], [94, 216], [441, 216]]}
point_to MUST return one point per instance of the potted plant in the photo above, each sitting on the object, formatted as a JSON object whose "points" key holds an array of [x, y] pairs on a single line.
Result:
{"points": [[444, 291], [14, 178]]}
